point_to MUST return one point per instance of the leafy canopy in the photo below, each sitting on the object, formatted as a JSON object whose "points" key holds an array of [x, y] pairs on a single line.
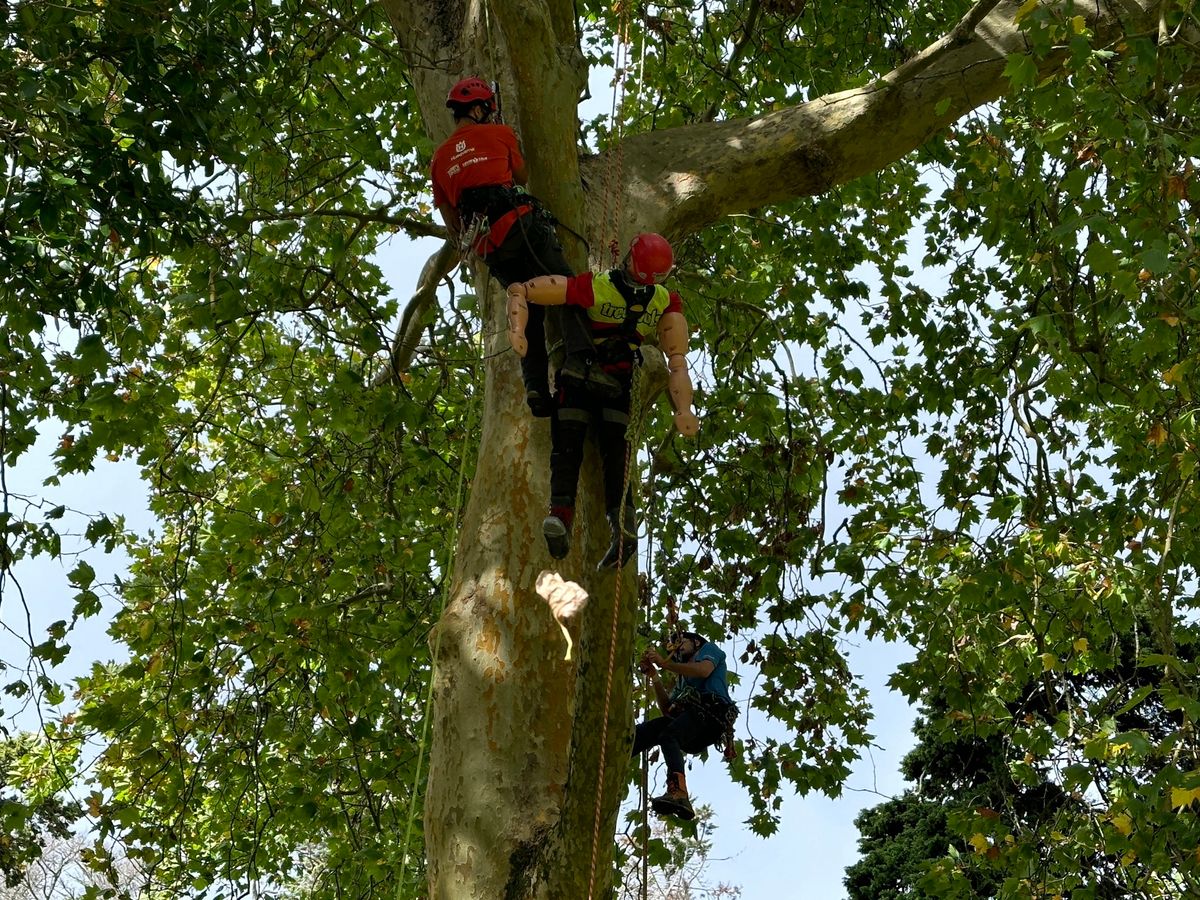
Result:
{"points": [[956, 398]]}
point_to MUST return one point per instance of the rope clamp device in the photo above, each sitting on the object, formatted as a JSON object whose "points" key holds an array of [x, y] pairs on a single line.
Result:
{"points": [[473, 234]]}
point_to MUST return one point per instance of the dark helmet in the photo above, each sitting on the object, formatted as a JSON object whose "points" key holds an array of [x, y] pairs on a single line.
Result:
{"points": [[470, 91], [650, 258], [676, 636]]}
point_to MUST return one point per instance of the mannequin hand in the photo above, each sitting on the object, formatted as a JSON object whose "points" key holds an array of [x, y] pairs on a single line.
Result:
{"points": [[687, 423]]}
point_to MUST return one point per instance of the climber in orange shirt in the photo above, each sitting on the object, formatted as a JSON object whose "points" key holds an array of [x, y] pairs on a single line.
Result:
{"points": [[476, 173]]}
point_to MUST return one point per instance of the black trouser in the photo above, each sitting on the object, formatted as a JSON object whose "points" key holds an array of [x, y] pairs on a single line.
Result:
{"points": [[688, 732], [531, 248], [568, 430]]}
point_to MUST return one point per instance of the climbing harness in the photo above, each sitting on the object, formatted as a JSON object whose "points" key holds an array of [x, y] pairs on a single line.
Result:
{"points": [[477, 230], [713, 710]]}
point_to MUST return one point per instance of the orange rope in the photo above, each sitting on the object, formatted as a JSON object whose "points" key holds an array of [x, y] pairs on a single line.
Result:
{"points": [[613, 172], [630, 437], [645, 801], [610, 216]]}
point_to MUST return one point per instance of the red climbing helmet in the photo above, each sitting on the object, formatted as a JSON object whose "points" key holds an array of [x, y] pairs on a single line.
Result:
{"points": [[650, 258], [471, 90]]}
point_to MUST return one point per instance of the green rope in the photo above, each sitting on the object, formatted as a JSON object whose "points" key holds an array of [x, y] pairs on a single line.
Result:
{"points": [[450, 544]]}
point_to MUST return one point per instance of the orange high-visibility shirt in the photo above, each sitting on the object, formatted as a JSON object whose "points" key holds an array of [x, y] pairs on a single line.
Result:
{"points": [[474, 156]]}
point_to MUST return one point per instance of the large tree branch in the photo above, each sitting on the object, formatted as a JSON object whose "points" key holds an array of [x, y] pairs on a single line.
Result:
{"points": [[435, 269], [681, 179], [959, 35]]}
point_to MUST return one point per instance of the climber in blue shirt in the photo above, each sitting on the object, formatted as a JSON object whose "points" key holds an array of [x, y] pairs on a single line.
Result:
{"points": [[697, 712]]}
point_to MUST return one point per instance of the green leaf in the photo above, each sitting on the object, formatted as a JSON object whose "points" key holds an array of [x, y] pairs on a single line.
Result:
{"points": [[1020, 70]]}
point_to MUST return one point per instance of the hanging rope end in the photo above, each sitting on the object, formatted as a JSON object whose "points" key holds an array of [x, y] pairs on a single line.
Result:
{"points": [[566, 600]]}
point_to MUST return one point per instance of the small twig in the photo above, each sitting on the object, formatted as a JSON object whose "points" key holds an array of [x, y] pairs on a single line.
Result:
{"points": [[414, 227], [739, 50], [959, 34]]}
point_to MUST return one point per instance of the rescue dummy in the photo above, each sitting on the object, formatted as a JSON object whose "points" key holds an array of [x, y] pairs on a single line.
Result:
{"points": [[623, 307], [475, 174], [697, 712]]}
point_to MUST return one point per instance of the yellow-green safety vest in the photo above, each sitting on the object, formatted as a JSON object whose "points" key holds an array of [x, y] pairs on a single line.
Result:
{"points": [[609, 306]]}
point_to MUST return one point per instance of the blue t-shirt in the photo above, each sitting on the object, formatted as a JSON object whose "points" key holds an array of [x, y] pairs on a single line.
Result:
{"points": [[717, 680]]}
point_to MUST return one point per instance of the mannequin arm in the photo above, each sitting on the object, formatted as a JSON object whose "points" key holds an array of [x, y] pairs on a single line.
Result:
{"points": [[672, 339], [545, 290], [518, 318]]}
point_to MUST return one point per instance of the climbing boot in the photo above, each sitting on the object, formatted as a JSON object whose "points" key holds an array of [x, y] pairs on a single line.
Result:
{"points": [[538, 396], [623, 546], [540, 401], [675, 801], [586, 374], [556, 528]]}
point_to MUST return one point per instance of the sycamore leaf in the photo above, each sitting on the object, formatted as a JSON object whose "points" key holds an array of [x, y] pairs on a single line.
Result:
{"points": [[1123, 822], [1026, 8], [1183, 797], [1020, 70]]}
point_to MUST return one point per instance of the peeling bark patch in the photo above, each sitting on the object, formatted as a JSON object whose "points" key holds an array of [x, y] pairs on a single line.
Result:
{"points": [[488, 644], [526, 866], [815, 169], [448, 16]]}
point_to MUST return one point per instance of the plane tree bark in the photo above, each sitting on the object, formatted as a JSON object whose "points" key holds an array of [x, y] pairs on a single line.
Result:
{"points": [[521, 739]]}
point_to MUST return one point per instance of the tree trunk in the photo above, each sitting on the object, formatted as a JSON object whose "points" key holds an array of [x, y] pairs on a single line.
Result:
{"points": [[512, 783], [515, 771], [511, 802]]}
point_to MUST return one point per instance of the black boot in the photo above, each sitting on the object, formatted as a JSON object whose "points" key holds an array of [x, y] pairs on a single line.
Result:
{"points": [[556, 529], [540, 401], [623, 546], [537, 387]]}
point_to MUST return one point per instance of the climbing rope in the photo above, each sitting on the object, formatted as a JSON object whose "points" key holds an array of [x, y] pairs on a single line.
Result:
{"points": [[472, 411], [632, 436], [610, 214], [647, 707], [613, 195], [647, 684], [491, 59], [644, 798]]}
